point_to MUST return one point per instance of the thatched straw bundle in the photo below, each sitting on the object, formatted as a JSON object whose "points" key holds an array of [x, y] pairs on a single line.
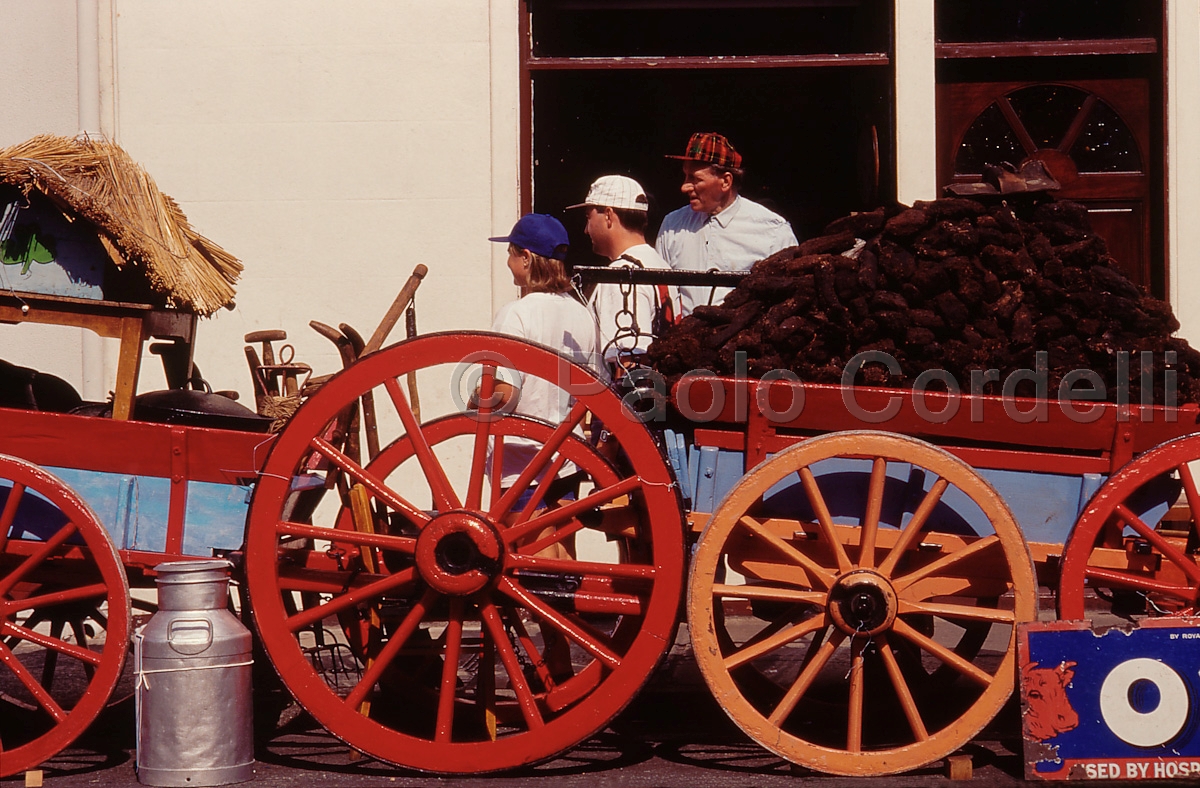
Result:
{"points": [[137, 224]]}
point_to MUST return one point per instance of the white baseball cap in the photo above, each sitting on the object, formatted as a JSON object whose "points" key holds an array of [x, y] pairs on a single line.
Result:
{"points": [[616, 191]]}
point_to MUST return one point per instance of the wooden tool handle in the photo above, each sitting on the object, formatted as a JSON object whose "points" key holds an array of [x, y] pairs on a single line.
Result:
{"points": [[397, 309], [267, 335]]}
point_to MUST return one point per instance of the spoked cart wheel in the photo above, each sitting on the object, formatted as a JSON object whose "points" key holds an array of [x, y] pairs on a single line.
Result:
{"points": [[868, 592], [1134, 548], [472, 630], [64, 616]]}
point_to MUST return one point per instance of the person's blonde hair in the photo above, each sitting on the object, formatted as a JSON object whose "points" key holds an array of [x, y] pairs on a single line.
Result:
{"points": [[546, 275]]}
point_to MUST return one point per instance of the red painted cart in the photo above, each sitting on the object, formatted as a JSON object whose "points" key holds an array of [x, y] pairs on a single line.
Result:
{"points": [[852, 601]]}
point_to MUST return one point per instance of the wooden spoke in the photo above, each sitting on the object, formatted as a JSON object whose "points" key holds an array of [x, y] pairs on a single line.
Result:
{"points": [[854, 721], [444, 496], [1169, 551], [512, 666], [389, 651], [870, 524], [942, 564], [552, 517], [1119, 579], [350, 599], [910, 532], [769, 592], [31, 684], [449, 685], [819, 573], [61, 646], [400, 544], [1190, 491], [15, 494], [368, 480], [565, 566], [485, 685], [554, 537], [510, 616], [483, 431], [900, 685], [540, 459], [56, 598], [587, 641], [803, 681], [776, 641], [949, 611], [978, 675], [824, 519], [539, 490], [48, 548]]}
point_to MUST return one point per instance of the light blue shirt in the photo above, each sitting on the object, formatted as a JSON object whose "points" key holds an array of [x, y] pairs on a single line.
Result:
{"points": [[732, 240]]}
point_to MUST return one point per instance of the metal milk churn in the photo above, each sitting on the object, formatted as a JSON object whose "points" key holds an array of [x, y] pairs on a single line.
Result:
{"points": [[193, 661]]}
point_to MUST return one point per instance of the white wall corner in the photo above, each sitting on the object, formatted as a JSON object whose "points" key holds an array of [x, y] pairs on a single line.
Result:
{"points": [[506, 139], [916, 102], [1183, 163]]}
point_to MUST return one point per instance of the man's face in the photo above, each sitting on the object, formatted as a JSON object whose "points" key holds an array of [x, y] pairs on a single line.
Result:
{"points": [[598, 227], [706, 190]]}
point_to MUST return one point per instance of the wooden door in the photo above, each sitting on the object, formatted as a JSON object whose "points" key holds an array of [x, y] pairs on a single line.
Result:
{"points": [[1093, 137]]}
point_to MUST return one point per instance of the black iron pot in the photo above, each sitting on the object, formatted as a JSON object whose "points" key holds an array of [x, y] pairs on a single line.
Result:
{"points": [[197, 409]]}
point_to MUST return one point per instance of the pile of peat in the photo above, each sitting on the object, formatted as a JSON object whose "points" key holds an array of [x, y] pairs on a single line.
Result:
{"points": [[951, 284]]}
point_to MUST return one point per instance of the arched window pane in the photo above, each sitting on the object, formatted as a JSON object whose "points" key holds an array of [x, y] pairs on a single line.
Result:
{"points": [[990, 140], [1106, 144], [1046, 111]]}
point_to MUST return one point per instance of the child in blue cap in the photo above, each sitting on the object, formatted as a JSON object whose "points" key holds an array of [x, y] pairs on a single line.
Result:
{"points": [[546, 313]]}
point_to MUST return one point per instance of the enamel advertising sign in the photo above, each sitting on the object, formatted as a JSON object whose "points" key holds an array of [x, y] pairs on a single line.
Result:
{"points": [[1117, 702]]}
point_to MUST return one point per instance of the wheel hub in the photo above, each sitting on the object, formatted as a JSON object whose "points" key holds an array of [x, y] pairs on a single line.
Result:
{"points": [[458, 553], [862, 602]]}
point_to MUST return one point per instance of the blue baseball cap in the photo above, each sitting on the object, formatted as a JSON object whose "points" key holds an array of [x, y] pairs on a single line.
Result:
{"points": [[541, 234]]}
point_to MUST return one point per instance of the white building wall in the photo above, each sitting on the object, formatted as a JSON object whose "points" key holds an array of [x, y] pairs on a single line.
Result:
{"points": [[330, 146], [1183, 176], [916, 102], [333, 146], [37, 59]]}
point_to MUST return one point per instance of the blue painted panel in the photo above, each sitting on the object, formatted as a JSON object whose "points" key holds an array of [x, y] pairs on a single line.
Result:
{"points": [[215, 518], [134, 510]]}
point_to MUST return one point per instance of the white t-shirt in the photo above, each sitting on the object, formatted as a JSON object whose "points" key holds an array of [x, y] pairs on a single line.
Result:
{"points": [[625, 321], [558, 321], [732, 240]]}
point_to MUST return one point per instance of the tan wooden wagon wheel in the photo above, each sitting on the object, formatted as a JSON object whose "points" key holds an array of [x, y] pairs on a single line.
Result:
{"points": [[823, 675]]}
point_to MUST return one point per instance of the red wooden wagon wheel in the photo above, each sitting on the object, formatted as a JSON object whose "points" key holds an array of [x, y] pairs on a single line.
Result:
{"points": [[839, 671], [1123, 548], [482, 639], [64, 616]]}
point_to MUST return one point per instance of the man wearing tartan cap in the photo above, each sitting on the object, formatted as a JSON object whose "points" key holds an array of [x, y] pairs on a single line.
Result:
{"points": [[718, 228]]}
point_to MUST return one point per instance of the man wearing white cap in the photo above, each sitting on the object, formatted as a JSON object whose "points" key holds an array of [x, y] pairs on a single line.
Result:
{"points": [[615, 221]]}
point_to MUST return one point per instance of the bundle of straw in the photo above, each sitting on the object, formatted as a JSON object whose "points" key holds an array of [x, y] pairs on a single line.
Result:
{"points": [[138, 225]]}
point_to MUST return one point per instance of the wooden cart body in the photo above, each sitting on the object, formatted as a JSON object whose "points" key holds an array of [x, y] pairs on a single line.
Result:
{"points": [[430, 634]]}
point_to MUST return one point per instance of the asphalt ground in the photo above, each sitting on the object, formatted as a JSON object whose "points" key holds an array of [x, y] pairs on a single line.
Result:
{"points": [[673, 734]]}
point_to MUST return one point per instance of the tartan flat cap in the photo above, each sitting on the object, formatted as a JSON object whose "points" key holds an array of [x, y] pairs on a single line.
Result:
{"points": [[711, 148]]}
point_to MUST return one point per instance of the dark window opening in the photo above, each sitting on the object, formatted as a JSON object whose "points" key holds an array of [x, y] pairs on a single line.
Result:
{"points": [[809, 138], [1045, 20], [591, 28]]}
